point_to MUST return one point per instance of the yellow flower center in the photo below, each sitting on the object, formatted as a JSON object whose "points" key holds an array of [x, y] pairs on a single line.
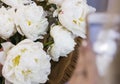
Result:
{"points": [[82, 19], [75, 21], [29, 23], [16, 61], [23, 50], [10, 19], [78, 21], [36, 60], [26, 73]]}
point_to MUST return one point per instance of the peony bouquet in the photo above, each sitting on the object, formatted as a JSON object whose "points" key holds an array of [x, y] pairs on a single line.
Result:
{"points": [[35, 32]]}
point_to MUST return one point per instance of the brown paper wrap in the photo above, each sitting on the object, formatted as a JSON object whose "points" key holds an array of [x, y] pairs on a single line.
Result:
{"points": [[62, 70]]}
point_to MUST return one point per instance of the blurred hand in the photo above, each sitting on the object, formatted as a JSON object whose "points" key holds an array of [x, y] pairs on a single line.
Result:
{"points": [[86, 70]]}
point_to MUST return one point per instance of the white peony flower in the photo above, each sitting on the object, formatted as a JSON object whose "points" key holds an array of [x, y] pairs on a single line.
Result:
{"points": [[73, 14], [26, 63], [63, 42], [57, 2], [7, 25], [31, 21], [16, 3]]}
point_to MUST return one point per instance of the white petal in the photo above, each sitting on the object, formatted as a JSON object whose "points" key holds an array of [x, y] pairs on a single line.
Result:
{"points": [[2, 57], [7, 46], [63, 42], [57, 2], [16, 3]]}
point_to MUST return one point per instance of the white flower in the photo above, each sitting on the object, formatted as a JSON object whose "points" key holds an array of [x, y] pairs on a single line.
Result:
{"points": [[7, 25], [63, 43], [27, 63], [57, 2], [31, 21], [73, 14], [16, 3]]}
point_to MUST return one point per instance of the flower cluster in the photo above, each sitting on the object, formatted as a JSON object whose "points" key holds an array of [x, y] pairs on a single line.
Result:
{"points": [[27, 62], [28, 20]]}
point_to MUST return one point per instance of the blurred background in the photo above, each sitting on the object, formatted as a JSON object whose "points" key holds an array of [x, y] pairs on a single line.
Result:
{"points": [[104, 35], [105, 5], [106, 23], [100, 5]]}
